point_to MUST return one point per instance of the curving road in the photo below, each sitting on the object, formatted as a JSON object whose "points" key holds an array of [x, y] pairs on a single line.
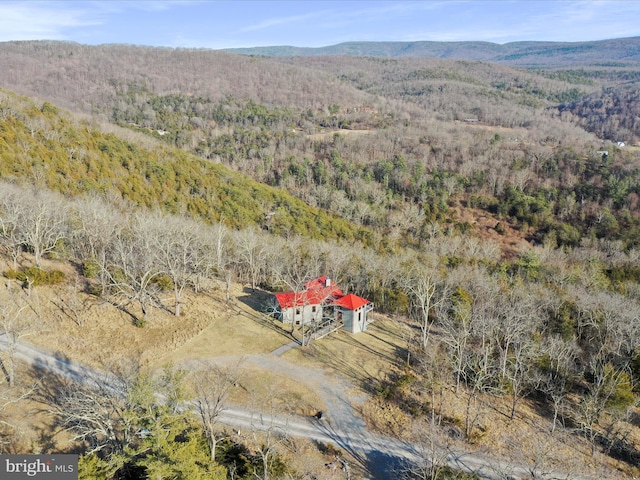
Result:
{"points": [[379, 455]]}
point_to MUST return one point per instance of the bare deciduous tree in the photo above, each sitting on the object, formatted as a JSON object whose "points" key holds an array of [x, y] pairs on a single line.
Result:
{"points": [[554, 380], [433, 447], [128, 268], [175, 245], [603, 396], [44, 223], [94, 223], [12, 206], [211, 384], [96, 412], [268, 434], [424, 284], [251, 252]]}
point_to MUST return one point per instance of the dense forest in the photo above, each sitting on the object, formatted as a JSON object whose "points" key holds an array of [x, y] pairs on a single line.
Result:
{"points": [[494, 212]]}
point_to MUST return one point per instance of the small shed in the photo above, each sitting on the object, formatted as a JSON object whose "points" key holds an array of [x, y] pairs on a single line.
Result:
{"points": [[352, 311]]}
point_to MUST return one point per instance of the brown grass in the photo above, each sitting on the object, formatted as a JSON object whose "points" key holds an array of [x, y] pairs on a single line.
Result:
{"points": [[209, 327], [264, 389], [365, 358]]}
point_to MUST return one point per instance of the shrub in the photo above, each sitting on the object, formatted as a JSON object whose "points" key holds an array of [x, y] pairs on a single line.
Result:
{"points": [[163, 282], [35, 276], [95, 289], [11, 274], [484, 202], [621, 388], [330, 449], [90, 268], [49, 109]]}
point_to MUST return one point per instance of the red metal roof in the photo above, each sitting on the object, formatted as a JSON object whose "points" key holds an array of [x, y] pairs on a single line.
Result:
{"points": [[351, 302], [318, 292]]}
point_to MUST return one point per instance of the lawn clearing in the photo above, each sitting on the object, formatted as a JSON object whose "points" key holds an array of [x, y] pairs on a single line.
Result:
{"points": [[235, 328], [101, 334], [364, 358]]}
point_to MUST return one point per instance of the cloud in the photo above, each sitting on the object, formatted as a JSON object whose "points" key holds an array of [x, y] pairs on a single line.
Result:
{"points": [[278, 21], [580, 20], [508, 21], [160, 5], [41, 20], [329, 22]]}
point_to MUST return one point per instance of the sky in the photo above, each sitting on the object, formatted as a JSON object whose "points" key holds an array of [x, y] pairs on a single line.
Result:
{"points": [[219, 24]]}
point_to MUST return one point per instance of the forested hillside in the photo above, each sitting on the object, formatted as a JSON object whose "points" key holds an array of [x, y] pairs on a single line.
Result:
{"points": [[43, 147], [520, 54], [471, 202], [87, 78], [613, 113]]}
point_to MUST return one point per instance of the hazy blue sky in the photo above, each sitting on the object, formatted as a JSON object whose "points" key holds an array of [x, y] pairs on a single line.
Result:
{"points": [[244, 23]]}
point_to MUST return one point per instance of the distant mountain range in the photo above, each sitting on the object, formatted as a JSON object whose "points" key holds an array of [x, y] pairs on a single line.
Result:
{"points": [[619, 52]]}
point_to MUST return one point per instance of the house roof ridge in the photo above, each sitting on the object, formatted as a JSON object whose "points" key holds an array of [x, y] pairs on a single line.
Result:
{"points": [[351, 301]]}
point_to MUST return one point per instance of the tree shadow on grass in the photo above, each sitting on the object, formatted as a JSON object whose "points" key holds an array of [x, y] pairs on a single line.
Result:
{"points": [[51, 386], [377, 461], [366, 376], [256, 300]]}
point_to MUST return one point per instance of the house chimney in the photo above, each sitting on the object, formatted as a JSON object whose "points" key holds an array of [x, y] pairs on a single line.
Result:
{"points": [[327, 282]]}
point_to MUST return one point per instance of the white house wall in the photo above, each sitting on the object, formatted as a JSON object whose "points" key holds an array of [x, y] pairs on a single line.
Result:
{"points": [[355, 321], [306, 314], [347, 318]]}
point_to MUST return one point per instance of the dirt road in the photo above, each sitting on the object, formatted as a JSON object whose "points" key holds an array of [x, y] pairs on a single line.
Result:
{"points": [[378, 455]]}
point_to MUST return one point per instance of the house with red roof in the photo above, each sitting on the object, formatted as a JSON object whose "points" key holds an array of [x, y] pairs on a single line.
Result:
{"points": [[322, 303]]}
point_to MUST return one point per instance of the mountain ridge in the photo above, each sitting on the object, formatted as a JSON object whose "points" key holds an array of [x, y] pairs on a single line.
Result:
{"points": [[531, 54]]}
